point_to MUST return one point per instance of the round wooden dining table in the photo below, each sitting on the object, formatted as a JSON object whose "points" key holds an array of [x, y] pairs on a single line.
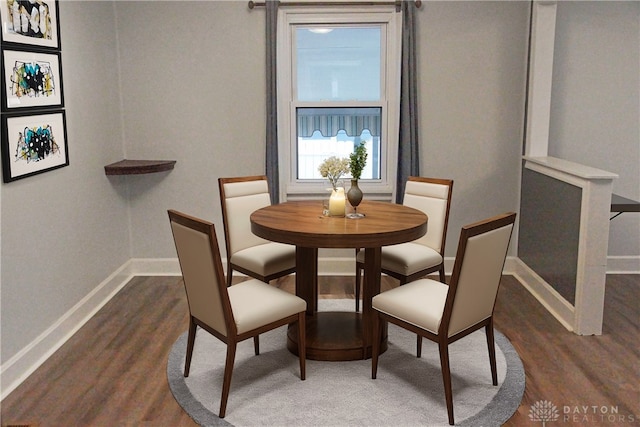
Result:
{"points": [[337, 336]]}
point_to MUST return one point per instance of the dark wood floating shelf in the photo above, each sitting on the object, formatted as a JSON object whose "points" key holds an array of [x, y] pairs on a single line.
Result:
{"points": [[136, 167], [622, 204]]}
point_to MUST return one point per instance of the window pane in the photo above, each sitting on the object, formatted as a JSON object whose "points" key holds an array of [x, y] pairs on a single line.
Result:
{"points": [[326, 132], [338, 64]]}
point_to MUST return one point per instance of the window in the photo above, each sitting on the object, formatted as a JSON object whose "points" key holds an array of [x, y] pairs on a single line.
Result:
{"points": [[338, 86]]}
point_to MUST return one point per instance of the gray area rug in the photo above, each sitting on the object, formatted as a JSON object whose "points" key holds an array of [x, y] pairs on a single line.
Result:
{"points": [[266, 390]]}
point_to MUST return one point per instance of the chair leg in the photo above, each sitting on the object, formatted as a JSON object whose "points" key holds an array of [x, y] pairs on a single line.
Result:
{"points": [[375, 345], [256, 344], [492, 352], [191, 339], [357, 285], [419, 346], [443, 277], [446, 378], [229, 274], [302, 352], [226, 382]]}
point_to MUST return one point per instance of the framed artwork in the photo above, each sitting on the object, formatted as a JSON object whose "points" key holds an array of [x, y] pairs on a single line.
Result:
{"points": [[33, 144], [31, 80], [30, 22]]}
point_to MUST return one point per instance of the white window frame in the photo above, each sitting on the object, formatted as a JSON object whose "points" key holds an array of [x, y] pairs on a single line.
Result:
{"points": [[288, 17]]}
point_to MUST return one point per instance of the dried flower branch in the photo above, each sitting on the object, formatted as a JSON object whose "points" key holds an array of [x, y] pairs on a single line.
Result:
{"points": [[333, 168]]}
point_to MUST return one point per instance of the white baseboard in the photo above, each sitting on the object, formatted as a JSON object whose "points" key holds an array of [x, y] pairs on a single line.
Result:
{"points": [[157, 266], [623, 265], [551, 300], [345, 266], [15, 370], [339, 266]]}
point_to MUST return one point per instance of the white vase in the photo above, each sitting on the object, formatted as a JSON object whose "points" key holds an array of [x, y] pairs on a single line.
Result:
{"points": [[337, 202]]}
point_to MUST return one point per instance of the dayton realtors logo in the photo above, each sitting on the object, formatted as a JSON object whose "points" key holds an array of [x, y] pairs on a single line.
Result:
{"points": [[544, 411]]}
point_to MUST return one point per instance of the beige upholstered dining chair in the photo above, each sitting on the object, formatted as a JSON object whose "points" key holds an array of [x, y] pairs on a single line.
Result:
{"points": [[246, 252], [413, 260], [231, 314], [444, 314]]}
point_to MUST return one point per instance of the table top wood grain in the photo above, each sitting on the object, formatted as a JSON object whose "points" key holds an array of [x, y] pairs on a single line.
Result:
{"points": [[301, 223]]}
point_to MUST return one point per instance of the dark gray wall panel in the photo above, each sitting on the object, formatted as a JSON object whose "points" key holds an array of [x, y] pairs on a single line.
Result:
{"points": [[550, 230]]}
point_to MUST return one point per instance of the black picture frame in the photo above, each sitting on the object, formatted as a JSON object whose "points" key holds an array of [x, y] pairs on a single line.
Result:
{"points": [[33, 143], [31, 79], [31, 17]]}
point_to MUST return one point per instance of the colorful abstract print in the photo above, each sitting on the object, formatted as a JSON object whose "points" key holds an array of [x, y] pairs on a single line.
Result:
{"points": [[36, 143], [30, 18], [32, 79]]}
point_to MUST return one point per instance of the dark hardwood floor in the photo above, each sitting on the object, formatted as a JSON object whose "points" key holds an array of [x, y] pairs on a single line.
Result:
{"points": [[113, 370]]}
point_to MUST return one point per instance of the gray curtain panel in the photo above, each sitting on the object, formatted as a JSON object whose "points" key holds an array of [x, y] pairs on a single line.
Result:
{"points": [[272, 102], [408, 152]]}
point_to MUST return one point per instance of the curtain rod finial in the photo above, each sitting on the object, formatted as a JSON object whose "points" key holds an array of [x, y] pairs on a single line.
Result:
{"points": [[251, 4]]}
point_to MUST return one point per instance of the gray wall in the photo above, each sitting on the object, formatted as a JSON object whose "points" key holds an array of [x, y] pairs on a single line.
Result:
{"points": [[193, 89], [472, 66], [595, 108], [202, 102], [185, 81], [65, 231]]}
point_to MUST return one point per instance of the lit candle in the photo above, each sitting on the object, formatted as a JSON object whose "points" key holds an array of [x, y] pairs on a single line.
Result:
{"points": [[337, 203]]}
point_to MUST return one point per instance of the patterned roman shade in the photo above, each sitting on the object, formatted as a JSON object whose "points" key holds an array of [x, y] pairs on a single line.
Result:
{"points": [[331, 120]]}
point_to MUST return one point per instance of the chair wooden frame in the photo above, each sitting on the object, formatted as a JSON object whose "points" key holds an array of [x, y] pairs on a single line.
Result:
{"points": [[227, 237], [442, 338], [232, 337], [438, 267]]}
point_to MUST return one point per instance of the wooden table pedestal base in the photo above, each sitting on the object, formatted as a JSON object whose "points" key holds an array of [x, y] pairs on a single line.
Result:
{"points": [[333, 336]]}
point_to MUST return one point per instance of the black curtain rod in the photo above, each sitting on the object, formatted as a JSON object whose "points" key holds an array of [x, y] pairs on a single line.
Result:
{"points": [[396, 3]]}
